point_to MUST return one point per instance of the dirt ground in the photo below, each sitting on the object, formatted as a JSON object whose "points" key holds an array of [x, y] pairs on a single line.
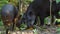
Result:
{"points": [[45, 30]]}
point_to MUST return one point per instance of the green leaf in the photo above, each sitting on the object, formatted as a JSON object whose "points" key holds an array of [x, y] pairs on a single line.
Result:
{"points": [[58, 20], [3, 2], [23, 26], [47, 20], [58, 30], [57, 1], [1, 23]]}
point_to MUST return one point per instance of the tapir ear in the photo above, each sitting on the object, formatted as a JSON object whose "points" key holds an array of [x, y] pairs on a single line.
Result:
{"points": [[16, 9]]}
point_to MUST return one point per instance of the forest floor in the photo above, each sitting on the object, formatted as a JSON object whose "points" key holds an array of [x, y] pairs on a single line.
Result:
{"points": [[39, 30]]}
